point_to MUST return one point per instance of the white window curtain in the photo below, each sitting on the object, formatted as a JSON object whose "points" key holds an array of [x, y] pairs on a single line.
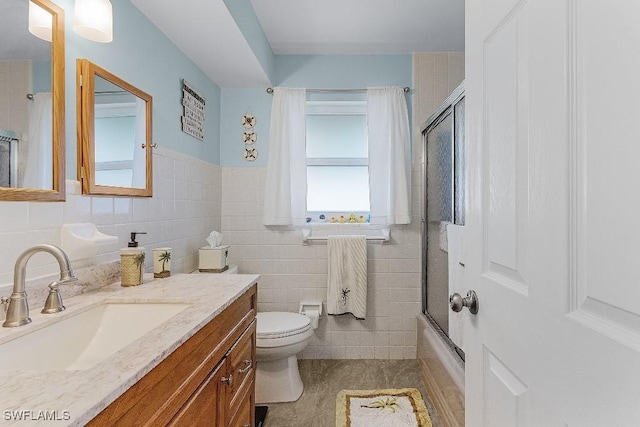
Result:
{"points": [[38, 170], [286, 183], [389, 156]]}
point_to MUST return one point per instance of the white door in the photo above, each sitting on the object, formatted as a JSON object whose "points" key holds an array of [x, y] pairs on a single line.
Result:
{"points": [[458, 322], [552, 238]]}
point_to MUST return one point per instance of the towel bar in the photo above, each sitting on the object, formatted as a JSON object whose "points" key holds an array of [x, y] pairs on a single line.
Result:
{"points": [[306, 236]]}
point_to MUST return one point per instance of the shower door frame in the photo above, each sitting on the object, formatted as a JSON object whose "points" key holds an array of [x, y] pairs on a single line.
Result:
{"points": [[445, 109]]}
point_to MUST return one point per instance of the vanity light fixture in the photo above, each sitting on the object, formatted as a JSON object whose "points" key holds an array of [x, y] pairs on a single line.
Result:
{"points": [[40, 22], [93, 20]]}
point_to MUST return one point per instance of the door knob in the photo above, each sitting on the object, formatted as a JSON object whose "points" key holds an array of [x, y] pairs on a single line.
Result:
{"points": [[228, 380], [457, 303]]}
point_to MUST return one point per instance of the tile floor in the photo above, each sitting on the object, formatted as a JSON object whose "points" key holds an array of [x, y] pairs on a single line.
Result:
{"points": [[323, 379]]}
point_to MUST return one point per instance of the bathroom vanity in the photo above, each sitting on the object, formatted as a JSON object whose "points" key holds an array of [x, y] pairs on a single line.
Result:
{"points": [[207, 380], [197, 367]]}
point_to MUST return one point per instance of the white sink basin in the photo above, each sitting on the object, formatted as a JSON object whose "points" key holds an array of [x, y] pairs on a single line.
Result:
{"points": [[87, 338]]}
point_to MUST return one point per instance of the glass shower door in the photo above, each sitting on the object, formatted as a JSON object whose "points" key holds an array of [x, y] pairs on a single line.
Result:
{"points": [[444, 195], [439, 213]]}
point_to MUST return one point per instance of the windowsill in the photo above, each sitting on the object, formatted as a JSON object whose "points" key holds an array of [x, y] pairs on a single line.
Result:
{"points": [[343, 225], [321, 231], [338, 218]]}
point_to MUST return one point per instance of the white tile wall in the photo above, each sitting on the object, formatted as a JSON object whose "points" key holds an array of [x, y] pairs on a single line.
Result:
{"points": [[185, 208], [292, 272]]}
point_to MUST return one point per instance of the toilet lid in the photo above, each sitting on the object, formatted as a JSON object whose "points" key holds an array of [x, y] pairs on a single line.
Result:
{"points": [[276, 324]]}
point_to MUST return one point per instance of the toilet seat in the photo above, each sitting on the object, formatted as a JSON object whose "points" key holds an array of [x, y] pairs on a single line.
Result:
{"points": [[277, 324], [278, 329]]}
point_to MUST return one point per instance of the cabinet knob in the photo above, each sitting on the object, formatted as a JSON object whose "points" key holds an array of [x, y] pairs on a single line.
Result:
{"points": [[247, 366], [227, 380]]}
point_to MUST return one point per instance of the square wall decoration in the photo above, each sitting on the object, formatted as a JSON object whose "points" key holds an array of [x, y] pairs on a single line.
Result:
{"points": [[193, 111]]}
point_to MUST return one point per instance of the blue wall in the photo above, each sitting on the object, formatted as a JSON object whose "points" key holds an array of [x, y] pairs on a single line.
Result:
{"points": [[235, 103], [41, 76], [144, 57], [343, 71], [308, 71]]}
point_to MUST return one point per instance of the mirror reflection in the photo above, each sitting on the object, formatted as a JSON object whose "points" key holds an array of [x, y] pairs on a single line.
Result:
{"points": [[31, 82], [120, 122], [115, 134]]}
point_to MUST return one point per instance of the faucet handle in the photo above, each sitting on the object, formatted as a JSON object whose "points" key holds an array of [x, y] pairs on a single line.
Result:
{"points": [[5, 303], [53, 304]]}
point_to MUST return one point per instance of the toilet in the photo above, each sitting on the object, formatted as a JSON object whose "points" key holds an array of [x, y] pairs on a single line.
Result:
{"points": [[280, 336]]}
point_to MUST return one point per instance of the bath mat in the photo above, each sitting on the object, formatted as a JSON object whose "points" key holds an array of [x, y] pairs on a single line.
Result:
{"points": [[381, 408], [261, 414]]}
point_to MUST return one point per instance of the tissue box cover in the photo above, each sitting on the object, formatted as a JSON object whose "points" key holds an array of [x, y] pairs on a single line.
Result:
{"points": [[213, 260]]}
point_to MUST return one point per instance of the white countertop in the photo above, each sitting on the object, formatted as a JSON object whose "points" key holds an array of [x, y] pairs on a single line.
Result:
{"points": [[75, 397]]}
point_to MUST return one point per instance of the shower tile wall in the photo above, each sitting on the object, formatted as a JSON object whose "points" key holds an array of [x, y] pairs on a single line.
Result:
{"points": [[182, 213], [435, 76], [14, 87], [15, 84]]}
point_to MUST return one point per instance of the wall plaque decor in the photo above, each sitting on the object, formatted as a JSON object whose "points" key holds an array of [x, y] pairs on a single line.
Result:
{"points": [[250, 154], [193, 111], [248, 120], [249, 136]]}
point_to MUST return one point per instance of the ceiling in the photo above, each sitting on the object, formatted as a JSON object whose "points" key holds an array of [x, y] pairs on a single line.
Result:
{"points": [[207, 33], [362, 26], [17, 42]]}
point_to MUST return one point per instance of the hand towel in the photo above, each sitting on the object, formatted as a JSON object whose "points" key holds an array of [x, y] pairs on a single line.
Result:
{"points": [[347, 277]]}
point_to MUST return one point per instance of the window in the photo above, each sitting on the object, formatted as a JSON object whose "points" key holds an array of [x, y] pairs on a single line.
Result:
{"points": [[337, 160], [382, 152]]}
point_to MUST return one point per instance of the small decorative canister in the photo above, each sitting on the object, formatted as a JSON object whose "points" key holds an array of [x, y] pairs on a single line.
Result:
{"points": [[131, 267], [161, 263]]}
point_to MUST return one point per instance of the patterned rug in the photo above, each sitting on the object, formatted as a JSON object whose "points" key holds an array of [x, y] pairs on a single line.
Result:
{"points": [[381, 408]]}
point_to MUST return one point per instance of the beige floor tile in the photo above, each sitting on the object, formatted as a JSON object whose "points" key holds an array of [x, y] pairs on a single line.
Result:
{"points": [[323, 379]]}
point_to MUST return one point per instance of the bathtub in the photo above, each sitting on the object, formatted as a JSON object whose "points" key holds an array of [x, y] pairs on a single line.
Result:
{"points": [[442, 373]]}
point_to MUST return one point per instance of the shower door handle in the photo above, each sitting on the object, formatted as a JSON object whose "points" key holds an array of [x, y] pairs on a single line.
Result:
{"points": [[457, 302]]}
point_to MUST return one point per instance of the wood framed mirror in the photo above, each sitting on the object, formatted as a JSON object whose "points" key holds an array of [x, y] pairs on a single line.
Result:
{"points": [[32, 149], [114, 134]]}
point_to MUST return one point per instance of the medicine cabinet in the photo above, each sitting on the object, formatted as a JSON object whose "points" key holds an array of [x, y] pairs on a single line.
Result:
{"points": [[114, 134]]}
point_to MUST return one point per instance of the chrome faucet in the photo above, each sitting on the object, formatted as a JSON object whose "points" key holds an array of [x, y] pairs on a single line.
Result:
{"points": [[18, 310]]}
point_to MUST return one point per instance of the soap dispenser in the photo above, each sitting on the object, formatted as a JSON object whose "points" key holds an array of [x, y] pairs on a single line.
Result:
{"points": [[132, 262], [133, 243]]}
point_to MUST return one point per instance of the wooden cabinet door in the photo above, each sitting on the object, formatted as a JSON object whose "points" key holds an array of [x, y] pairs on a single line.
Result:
{"points": [[245, 417], [241, 360], [205, 407]]}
